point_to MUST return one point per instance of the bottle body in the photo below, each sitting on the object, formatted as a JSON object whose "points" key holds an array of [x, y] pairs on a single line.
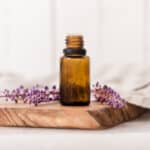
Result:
{"points": [[75, 80]]}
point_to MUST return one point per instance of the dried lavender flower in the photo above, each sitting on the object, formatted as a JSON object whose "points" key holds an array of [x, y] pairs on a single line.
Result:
{"points": [[107, 95], [35, 95], [39, 94]]}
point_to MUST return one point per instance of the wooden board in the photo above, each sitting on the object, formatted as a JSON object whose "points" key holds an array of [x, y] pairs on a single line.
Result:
{"points": [[95, 116]]}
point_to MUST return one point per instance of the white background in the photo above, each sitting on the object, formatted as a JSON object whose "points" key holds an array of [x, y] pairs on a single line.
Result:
{"points": [[32, 34]]}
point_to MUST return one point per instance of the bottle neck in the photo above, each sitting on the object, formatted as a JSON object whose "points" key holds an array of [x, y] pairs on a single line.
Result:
{"points": [[74, 42], [74, 46]]}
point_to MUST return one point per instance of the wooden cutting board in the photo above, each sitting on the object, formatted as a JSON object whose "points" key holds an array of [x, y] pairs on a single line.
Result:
{"points": [[53, 115]]}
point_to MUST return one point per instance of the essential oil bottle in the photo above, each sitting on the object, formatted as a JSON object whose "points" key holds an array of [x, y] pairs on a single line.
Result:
{"points": [[74, 73]]}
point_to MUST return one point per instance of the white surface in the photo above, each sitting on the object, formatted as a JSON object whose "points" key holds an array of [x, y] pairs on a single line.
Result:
{"points": [[132, 135]]}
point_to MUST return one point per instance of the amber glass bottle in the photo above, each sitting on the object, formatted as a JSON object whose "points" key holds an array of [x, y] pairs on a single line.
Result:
{"points": [[74, 73]]}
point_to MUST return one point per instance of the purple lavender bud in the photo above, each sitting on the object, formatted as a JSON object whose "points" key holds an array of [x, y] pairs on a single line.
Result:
{"points": [[97, 84], [105, 87], [46, 88], [54, 87], [21, 87]]}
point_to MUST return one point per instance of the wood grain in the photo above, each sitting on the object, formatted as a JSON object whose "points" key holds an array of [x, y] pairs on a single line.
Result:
{"points": [[95, 116]]}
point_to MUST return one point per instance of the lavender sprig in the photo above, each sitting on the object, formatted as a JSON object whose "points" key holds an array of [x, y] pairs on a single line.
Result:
{"points": [[35, 95], [107, 95]]}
